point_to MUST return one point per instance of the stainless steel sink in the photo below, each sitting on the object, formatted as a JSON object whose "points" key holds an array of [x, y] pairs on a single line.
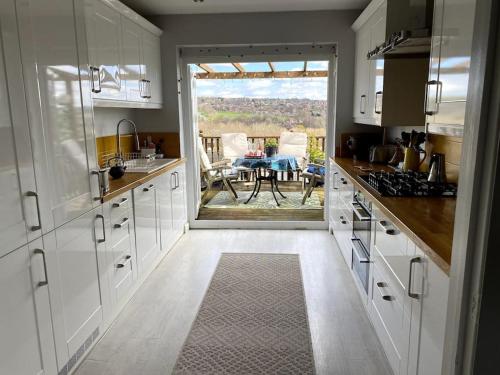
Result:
{"points": [[146, 165]]}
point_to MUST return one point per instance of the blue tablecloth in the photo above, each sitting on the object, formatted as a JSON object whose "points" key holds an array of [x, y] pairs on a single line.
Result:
{"points": [[276, 163]]}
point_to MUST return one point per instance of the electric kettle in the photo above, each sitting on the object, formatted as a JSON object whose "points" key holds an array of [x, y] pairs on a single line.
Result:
{"points": [[437, 171]]}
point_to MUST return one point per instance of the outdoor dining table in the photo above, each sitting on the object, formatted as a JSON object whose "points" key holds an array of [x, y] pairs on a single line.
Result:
{"points": [[274, 165]]}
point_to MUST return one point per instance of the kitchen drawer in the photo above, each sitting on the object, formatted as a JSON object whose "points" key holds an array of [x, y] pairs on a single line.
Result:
{"points": [[342, 230], [392, 245], [120, 228], [120, 205], [123, 276], [346, 190], [390, 317]]}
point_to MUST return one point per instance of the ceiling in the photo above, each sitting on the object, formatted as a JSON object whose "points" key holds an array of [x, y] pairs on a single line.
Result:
{"points": [[159, 7]]}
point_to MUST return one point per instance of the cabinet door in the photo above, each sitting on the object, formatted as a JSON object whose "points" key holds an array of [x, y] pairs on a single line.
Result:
{"points": [[179, 209], [132, 68], [26, 342], [454, 62], [165, 188], [377, 26], [152, 66], [62, 131], [18, 213], [73, 252], [146, 225], [104, 48], [361, 75]]}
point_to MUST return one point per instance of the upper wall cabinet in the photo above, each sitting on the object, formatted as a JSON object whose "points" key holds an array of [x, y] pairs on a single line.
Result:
{"points": [[124, 56], [388, 89], [449, 66], [104, 31]]}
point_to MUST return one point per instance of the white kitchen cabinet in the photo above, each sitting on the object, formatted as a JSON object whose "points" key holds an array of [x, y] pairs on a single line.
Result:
{"points": [[146, 216], [26, 341], [151, 76], [451, 47], [104, 42], [368, 76], [341, 213], [118, 273], [132, 68], [362, 76], [179, 205], [124, 56], [60, 117], [19, 222], [73, 253], [427, 339], [165, 187]]}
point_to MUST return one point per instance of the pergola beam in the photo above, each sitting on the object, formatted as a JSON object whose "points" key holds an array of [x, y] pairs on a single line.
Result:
{"points": [[206, 68], [239, 67], [273, 74]]}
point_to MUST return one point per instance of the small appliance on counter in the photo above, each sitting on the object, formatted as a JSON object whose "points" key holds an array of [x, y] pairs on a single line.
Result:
{"points": [[117, 167], [437, 171], [359, 145]]}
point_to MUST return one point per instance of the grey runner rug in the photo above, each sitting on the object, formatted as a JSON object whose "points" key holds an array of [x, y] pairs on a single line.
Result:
{"points": [[253, 320]]}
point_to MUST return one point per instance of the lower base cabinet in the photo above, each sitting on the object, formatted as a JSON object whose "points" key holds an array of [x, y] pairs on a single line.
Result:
{"points": [[146, 225], [26, 341], [73, 252]]}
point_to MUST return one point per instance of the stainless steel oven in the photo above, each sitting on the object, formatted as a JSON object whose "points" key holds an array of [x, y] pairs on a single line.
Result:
{"points": [[361, 237]]}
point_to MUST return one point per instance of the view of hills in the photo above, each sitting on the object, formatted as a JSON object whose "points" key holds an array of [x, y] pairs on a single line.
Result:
{"points": [[258, 117]]}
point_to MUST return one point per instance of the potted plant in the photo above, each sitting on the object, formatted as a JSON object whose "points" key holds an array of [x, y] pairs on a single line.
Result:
{"points": [[271, 147]]}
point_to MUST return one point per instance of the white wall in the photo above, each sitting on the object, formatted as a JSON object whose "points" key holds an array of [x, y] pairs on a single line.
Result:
{"points": [[251, 28], [105, 119]]}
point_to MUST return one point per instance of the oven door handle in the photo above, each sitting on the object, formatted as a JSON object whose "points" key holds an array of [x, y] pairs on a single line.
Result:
{"points": [[358, 248], [356, 207]]}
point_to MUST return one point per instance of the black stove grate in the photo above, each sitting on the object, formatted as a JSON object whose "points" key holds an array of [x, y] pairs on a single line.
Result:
{"points": [[408, 184]]}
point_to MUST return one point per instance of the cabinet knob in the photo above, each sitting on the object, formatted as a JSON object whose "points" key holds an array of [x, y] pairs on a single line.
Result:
{"points": [[381, 284], [120, 265]]}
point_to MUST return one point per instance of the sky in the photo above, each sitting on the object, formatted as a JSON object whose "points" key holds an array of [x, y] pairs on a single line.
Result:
{"points": [[282, 88]]}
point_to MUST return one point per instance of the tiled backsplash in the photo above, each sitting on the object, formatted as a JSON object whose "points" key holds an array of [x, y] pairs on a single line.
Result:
{"points": [[107, 145]]}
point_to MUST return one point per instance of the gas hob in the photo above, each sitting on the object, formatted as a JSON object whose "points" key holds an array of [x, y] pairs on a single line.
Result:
{"points": [[407, 184]]}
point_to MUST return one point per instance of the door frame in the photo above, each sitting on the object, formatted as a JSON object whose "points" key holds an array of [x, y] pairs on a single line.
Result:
{"points": [[192, 55], [476, 190]]}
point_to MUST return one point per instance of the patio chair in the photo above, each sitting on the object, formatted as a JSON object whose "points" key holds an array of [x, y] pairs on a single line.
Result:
{"points": [[234, 145], [315, 174], [294, 144], [214, 173]]}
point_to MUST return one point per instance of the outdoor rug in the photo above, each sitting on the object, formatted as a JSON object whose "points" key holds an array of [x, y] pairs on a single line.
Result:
{"points": [[265, 200], [252, 320]]}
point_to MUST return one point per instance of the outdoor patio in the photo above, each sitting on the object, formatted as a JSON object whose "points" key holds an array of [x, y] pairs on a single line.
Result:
{"points": [[258, 201]]}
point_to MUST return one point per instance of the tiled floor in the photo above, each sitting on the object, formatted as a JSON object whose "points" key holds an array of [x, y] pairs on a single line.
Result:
{"points": [[149, 333]]}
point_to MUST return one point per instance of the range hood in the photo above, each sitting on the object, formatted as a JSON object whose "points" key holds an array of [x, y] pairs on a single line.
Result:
{"points": [[408, 30]]}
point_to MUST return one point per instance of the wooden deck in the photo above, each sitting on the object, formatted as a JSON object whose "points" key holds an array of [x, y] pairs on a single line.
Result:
{"points": [[207, 213]]}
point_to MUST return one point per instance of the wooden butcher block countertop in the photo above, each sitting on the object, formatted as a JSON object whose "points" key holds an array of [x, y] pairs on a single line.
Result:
{"points": [[130, 181], [427, 221]]}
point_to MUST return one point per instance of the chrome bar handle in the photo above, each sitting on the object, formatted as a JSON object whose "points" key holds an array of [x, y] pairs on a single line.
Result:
{"points": [[172, 186], [176, 179], [99, 183], [127, 260], [42, 253], [148, 85], [361, 106], [412, 262], [34, 194], [427, 96], [92, 79], [142, 87], [122, 224], [150, 187], [122, 202], [376, 99], [99, 216]]}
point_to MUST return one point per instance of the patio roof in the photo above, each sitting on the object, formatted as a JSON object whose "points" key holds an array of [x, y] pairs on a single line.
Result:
{"points": [[270, 69]]}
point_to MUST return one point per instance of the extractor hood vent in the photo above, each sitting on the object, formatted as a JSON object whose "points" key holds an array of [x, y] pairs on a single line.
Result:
{"points": [[415, 42], [408, 29]]}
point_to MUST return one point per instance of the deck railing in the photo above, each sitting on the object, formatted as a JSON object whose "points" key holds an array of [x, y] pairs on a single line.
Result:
{"points": [[213, 145]]}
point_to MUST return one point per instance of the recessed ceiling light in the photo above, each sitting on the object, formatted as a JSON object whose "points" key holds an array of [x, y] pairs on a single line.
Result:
{"points": [[198, 1]]}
